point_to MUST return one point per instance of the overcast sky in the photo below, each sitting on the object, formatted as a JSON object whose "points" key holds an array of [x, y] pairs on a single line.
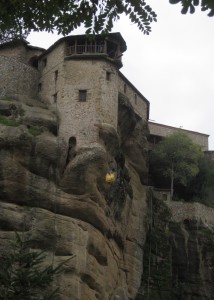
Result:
{"points": [[173, 67]]}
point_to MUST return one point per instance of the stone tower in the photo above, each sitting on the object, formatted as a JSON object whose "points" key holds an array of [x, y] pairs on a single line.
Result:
{"points": [[18, 70], [79, 79]]}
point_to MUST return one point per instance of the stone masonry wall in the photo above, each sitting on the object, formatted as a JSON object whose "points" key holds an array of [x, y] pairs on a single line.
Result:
{"points": [[139, 104], [60, 83], [20, 52], [191, 211], [50, 83], [101, 106], [17, 51], [17, 79], [163, 131]]}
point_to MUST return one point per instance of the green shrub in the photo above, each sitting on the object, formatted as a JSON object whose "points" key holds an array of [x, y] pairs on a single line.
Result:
{"points": [[8, 122], [35, 130], [6, 99], [23, 275]]}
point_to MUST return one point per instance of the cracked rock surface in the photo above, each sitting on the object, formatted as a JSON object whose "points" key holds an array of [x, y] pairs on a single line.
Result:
{"points": [[57, 196]]}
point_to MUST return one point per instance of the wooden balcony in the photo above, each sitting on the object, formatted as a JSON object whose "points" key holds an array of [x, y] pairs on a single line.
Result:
{"points": [[85, 49], [94, 50]]}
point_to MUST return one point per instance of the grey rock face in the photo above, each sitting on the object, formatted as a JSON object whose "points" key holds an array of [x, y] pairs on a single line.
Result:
{"points": [[124, 248], [178, 253], [56, 194]]}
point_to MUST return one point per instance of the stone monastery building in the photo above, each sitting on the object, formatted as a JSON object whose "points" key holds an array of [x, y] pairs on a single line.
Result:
{"points": [[79, 78]]}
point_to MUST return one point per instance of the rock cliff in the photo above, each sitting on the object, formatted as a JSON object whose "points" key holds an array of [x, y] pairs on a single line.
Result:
{"points": [[178, 252], [56, 195], [126, 244]]}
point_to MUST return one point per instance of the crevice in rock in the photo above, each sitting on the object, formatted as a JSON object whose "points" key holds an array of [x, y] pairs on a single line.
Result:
{"points": [[61, 251], [100, 258], [116, 237], [92, 284]]}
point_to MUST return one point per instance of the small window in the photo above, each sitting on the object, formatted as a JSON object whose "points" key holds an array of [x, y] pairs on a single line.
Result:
{"points": [[39, 87], [56, 75], [135, 98], [44, 61], [108, 75], [72, 142], [124, 88], [82, 95], [164, 197], [55, 96], [33, 61]]}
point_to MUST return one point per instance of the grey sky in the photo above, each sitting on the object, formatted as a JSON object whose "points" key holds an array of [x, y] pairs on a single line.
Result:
{"points": [[173, 67]]}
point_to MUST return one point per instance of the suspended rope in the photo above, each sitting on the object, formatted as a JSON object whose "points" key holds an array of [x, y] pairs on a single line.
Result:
{"points": [[150, 244], [56, 179]]}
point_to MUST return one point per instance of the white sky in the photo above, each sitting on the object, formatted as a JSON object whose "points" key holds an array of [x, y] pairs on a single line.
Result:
{"points": [[173, 67]]}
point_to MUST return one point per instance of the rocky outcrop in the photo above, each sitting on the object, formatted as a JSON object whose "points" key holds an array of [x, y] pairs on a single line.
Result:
{"points": [[56, 195], [123, 243], [178, 253]]}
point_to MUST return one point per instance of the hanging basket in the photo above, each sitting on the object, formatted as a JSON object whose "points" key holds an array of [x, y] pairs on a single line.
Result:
{"points": [[110, 177]]}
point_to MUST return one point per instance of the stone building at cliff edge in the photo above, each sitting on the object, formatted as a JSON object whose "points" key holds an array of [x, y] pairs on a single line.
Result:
{"points": [[53, 188], [80, 78]]}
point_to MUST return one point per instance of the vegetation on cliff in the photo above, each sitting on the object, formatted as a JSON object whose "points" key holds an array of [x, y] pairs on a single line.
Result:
{"points": [[23, 275], [201, 187], [178, 259], [156, 280], [177, 159]]}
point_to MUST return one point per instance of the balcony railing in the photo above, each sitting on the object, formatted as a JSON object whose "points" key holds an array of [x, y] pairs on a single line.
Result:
{"points": [[80, 49]]}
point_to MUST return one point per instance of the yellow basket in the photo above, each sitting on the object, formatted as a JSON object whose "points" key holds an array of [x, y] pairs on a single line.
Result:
{"points": [[110, 177]]}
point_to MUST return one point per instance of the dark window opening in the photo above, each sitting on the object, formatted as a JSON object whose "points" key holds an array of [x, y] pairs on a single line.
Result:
{"points": [[82, 95], [71, 149], [135, 98], [33, 61], [154, 139], [164, 197], [72, 142], [108, 76], [112, 50], [56, 75], [39, 87], [44, 61], [55, 96]]}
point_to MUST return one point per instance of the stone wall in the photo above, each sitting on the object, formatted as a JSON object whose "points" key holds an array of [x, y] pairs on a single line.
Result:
{"points": [[21, 51], [17, 79], [209, 155], [190, 211], [60, 83], [16, 51], [178, 258], [69, 209], [140, 105], [62, 79], [164, 130], [51, 80], [101, 105]]}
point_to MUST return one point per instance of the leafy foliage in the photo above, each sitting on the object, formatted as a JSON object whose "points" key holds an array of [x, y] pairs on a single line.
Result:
{"points": [[189, 6], [176, 158], [201, 187], [156, 281], [35, 130], [120, 188], [23, 276], [18, 18], [8, 122]]}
